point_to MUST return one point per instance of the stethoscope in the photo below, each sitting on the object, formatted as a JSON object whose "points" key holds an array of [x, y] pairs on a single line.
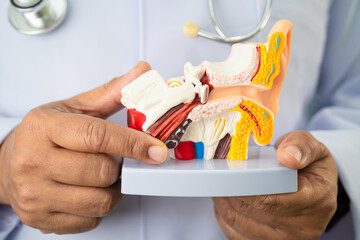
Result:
{"points": [[34, 17], [192, 30], [39, 16]]}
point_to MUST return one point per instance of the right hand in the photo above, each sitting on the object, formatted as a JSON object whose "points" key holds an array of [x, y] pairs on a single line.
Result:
{"points": [[56, 169]]}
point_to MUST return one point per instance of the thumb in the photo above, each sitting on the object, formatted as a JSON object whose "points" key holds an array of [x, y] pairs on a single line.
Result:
{"points": [[105, 100], [299, 149]]}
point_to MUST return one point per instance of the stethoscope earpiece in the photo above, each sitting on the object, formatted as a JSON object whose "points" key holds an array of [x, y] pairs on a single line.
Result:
{"points": [[36, 16], [192, 30]]}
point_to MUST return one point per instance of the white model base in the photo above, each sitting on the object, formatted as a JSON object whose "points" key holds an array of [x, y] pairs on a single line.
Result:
{"points": [[260, 174]]}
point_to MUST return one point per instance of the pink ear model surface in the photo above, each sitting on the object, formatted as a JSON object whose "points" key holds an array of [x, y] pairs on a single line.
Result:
{"points": [[213, 109]]}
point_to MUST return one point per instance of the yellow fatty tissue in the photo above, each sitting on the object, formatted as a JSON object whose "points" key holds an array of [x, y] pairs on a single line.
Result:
{"points": [[270, 61], [254, 119]]}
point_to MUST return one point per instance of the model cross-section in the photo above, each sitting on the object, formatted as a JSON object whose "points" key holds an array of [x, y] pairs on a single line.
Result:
{"points": [[213, 109]]}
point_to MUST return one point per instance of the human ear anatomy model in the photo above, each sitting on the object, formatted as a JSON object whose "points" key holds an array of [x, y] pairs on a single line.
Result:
{"points": [[213, 110]]}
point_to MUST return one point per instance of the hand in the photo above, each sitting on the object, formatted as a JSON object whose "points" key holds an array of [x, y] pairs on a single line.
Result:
{"points": [[56, 169], [300, 215]]}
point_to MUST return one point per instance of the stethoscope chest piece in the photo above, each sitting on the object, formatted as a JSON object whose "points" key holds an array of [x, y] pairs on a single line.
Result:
{"points": [[36, 16]]}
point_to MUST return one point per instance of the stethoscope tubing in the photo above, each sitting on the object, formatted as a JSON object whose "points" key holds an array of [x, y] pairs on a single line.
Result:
{"points": [[222, 37]]}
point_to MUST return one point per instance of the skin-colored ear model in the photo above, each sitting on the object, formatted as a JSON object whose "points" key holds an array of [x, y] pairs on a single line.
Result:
{"points": [[261, 104], [271, 98], [213, 110]]}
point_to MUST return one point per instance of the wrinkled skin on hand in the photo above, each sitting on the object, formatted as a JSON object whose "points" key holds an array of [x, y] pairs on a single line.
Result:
{"points": [[58, 167], [300, 215]]}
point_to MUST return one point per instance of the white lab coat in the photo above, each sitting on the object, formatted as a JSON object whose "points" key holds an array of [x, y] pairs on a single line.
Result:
{"points": [[99, 41]]}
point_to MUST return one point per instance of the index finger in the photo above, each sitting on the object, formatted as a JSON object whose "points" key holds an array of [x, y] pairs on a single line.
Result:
{"points": [[287, 204], [103, 101], [85, 133], [312, 190]]}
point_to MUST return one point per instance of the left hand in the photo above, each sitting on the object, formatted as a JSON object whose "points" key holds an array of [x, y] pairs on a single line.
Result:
{"points": [[300, 215]]}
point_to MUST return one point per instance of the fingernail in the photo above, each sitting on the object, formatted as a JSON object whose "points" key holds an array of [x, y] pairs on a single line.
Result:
{"points": [[293, 151], [157, 153]]}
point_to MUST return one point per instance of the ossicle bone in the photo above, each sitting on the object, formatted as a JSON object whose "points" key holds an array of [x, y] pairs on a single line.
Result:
{"points": [[214, 109], [197, 72], [193, 75], [204, 93]]}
